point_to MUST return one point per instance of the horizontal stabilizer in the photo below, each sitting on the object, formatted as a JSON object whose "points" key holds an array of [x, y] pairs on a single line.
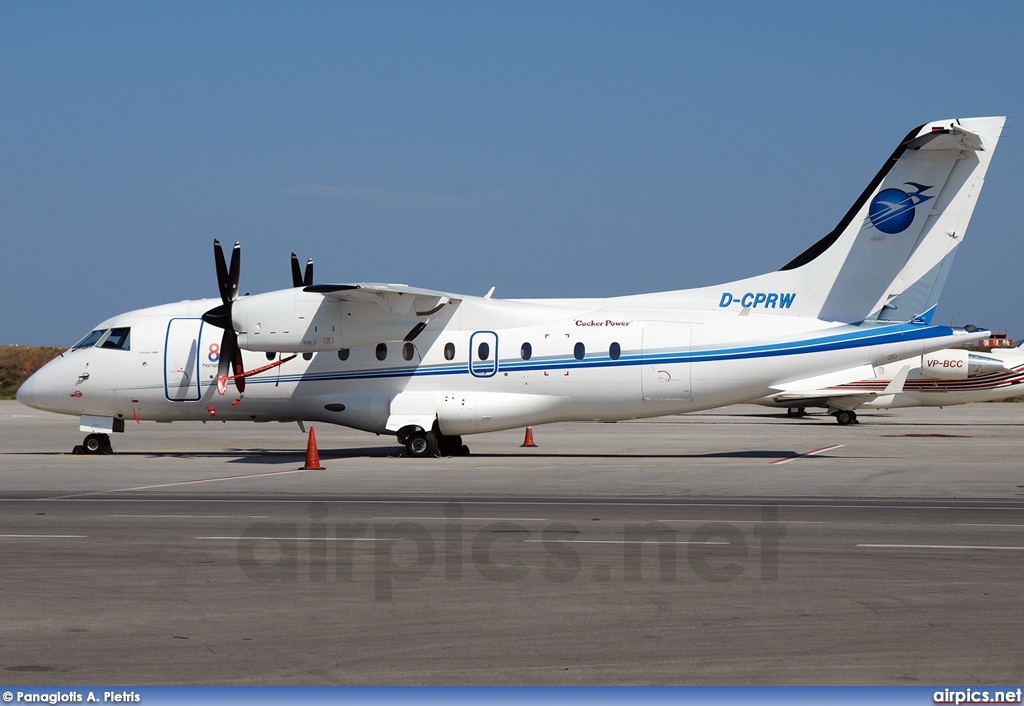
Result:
{"points": [[895, 385]]}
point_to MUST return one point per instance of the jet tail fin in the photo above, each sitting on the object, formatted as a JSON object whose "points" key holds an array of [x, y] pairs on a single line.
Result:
{"points": [[889, 256], [898, 240]]}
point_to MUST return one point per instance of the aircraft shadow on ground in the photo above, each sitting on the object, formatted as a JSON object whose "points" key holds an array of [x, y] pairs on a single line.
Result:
{"points": [[257, 456], [277, 456], [239, 455], [756, 453]]}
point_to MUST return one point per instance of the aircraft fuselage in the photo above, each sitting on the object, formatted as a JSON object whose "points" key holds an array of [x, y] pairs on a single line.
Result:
{"points": [[555, 363]]}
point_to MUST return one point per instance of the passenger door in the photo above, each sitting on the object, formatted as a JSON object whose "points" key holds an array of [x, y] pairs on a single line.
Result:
{"points": [[181, 360]]}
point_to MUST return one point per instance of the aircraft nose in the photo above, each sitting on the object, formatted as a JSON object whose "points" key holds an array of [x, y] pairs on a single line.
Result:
{"points": [[26, 394], [40, 392]]}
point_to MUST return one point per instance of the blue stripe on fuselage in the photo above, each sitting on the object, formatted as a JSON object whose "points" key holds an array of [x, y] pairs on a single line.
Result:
{"points": [[858, 338]]}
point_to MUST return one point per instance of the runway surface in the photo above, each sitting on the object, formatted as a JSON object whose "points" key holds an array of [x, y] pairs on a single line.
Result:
{"points": [[730, 547]]}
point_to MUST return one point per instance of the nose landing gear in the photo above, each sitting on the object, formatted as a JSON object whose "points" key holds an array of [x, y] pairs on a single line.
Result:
{"points": [[94, 444]]}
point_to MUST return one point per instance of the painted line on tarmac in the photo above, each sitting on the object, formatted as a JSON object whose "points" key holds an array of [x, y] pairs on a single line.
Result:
{"points": [[752, 522], [303, 539], [184, 482], [556, 501], [805, 454], [462, 519], [44, 536], [619, 541], [932, 546], [393, 539], [190, 517]]}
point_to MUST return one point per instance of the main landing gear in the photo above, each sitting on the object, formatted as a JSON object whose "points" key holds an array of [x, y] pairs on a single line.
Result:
{"points": [[94, 444], [429, 444], [846, 416]]}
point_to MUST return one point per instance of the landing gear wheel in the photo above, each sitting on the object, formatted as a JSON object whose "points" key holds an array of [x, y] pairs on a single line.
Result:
{"points": [[451, 446], [845, 417], [421, 444], [97, 444]]}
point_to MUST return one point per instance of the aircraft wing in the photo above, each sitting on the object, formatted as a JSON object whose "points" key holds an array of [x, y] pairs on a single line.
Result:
{"points": [[394, 298]]}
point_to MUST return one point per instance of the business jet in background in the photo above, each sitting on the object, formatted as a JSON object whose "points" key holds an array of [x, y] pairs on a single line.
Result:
{"points": [[430, 366], [946, 377]]}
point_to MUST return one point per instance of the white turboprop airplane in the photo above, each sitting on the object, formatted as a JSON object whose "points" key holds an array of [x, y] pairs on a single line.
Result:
{"points": [[430, 366], [947, 377]]}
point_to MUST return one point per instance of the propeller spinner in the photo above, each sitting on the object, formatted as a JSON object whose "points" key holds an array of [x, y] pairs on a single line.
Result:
{"points": [[220, 316]]}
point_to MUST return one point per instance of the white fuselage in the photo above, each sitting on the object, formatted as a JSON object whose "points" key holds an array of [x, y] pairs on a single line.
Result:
{"points": [[480, 366]]}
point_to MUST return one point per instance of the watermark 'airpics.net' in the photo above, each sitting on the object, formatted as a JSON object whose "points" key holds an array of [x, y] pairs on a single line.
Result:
{"points": [[387, 556]]}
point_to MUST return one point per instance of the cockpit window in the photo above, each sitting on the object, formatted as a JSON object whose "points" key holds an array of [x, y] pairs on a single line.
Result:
{"points": [[116, 338], [119, 338], [90, 339]]}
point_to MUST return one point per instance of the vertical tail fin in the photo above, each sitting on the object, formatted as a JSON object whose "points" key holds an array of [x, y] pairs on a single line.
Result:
{"points": [[889, 256]]}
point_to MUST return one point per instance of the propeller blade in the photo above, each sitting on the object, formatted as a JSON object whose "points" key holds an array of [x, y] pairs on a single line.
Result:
{"points": [[228, 343], [219, 316], [230, 362], [415, 331], [236, 360], [300, 279], [227, 277], [222, 270], [233, 269]]}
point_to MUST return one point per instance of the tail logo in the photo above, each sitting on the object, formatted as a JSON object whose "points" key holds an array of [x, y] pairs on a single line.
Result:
{"points": [[892, 211]]}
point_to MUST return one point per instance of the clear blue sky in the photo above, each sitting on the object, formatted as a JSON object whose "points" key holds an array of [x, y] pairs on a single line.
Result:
{"points": [[548, 148]]}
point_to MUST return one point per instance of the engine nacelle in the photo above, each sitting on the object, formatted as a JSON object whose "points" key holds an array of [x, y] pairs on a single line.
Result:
{"points": [[958, 364], [296, 321]]}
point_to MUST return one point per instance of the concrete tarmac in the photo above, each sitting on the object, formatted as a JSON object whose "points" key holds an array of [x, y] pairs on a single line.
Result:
{"points": [[736, 546]]}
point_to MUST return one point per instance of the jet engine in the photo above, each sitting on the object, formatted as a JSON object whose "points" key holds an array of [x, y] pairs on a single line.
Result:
{"points": [[958, 364]]}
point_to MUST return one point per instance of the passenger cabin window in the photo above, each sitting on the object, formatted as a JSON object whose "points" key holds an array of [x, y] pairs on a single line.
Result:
{"points": [[449, 351], [579, 350], [408, 350], [382, 351], [483, 351], [526, 351], [343, 354], [614, 351]]}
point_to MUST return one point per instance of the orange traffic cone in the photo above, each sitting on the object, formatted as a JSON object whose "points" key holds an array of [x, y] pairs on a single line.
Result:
{"points": [[528, 441], [312, 455]]}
